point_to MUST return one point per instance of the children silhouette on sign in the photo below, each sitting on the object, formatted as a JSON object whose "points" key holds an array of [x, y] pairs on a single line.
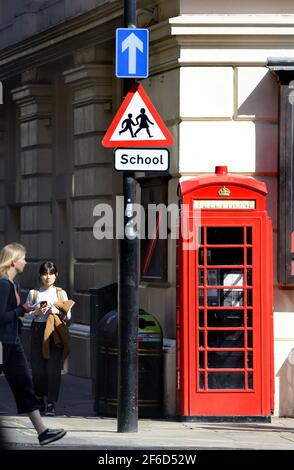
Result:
{"points": [[127, 125], [142, 121]]}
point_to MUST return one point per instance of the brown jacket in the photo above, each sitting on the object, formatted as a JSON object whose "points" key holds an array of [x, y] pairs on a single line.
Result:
{"points": [[56, 327]]}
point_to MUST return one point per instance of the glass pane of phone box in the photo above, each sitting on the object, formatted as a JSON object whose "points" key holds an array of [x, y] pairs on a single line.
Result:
{"points": [[225, 297]]}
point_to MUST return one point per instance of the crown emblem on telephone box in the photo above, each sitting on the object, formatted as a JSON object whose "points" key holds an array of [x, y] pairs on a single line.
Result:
{"points": [[224, 192]]}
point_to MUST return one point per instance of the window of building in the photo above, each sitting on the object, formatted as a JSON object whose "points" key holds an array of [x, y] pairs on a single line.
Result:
{"points": [[153, 250], [283, 69]]}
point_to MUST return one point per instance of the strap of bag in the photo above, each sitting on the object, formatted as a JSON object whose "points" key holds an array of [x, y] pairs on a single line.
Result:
{"points": [[59, 293], [35, 297]]}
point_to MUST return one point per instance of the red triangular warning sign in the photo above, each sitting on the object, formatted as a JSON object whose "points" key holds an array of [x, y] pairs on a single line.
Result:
{"points": [[137, 123]]}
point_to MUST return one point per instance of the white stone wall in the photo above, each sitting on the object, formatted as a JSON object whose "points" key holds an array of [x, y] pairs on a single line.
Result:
{"points": [[228, 117]]}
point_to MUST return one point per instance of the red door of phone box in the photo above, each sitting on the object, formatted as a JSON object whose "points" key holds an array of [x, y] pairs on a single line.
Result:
{"points": [[224, 299]]}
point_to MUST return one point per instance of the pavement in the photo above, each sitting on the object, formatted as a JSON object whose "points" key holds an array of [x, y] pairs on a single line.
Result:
{"points": [[88, 432]]}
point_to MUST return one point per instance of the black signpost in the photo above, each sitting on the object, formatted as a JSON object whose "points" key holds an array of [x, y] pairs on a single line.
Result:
{"points": [[128, 303], [129, 156]]}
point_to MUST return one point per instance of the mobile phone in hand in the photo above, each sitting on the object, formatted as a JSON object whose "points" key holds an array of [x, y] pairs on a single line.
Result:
{"points": [[43, 303]]}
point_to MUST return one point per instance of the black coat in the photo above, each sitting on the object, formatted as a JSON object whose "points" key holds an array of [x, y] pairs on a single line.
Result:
{"points": [[9, 313]]}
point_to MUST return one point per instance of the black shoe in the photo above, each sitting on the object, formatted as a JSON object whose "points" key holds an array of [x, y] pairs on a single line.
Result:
{"points": [[50, 410], [50, 435]]}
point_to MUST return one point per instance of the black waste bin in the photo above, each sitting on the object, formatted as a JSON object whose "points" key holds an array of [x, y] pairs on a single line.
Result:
{"points": [[102, 300], [150, 366]]}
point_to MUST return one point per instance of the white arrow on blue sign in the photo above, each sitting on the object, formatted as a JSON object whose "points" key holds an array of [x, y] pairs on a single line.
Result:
{"points": [[132, 52]]}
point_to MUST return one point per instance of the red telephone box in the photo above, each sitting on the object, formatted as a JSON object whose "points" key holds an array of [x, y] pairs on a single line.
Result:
{"points": [[224, 299]]}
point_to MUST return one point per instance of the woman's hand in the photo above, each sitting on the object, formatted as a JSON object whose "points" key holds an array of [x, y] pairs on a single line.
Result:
{"points": [[28, 307], [40, 310]]}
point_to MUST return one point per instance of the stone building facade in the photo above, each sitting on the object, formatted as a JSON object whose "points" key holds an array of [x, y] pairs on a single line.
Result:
{"points": [[210, 83]]}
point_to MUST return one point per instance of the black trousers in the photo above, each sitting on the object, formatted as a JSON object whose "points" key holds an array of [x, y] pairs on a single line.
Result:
{"points": [[16, 370], [46, 372]]}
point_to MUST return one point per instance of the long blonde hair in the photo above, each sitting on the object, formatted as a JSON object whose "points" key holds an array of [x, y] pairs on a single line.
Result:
{"points": [[8, 255]]}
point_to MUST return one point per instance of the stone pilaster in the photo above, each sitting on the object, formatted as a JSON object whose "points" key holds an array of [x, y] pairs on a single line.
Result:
{"points": [[91, 86], [34, 100], [92, 96]]}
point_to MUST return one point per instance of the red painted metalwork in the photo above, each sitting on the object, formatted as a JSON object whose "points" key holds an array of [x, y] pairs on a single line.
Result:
{"points": [[224, 299], [152, 245]]}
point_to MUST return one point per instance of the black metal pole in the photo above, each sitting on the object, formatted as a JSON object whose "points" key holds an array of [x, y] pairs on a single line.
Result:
{"points": [[130, 14], [128, 304]]}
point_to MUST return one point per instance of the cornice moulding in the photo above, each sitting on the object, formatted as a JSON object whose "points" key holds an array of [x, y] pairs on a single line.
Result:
{"points": [[252, 19], [185, 31], [32, 92], [232, 25], [97, 72], [97, 26]]}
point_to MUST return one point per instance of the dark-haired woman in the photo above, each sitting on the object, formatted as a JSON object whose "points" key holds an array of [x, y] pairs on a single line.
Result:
{"points": [[46, 372]]}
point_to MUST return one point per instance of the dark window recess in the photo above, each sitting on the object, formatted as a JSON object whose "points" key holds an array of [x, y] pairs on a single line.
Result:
{"points": [[249, 339], [250, 359], [201, 298], [249, 297], [201, 380], [201, 257], [201, 339], [154, 250], [249, 276], [228, 256], [228, 380], [225, 318], [201, 318], [201, 359], [250, 380], [285, 249], [249, 255], [249, 235], [225, 235], [226, 360], [249, 318], [226, 339]]}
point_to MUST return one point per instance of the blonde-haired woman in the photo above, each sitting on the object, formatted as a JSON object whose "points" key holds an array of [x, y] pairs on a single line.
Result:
{"points": [[15, 367]]}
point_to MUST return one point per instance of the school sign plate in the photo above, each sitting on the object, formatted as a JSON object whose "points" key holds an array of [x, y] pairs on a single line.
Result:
{"points": [[141, 159]]}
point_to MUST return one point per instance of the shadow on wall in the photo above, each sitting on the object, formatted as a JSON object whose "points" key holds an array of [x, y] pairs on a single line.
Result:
{"points": [[263, 100], [259, 107], [262, 105], [286, 386]]}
